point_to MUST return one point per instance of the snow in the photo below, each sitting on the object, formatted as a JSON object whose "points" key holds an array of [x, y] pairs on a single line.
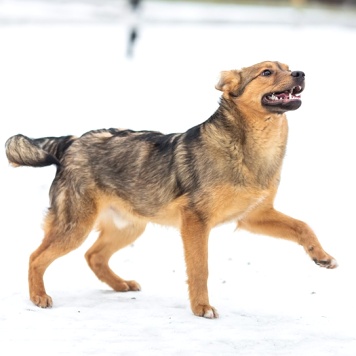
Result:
{"points": [[69, 76]]}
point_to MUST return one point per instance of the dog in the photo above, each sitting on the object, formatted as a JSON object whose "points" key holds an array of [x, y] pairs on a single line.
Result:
{"points": [[117, 180]]}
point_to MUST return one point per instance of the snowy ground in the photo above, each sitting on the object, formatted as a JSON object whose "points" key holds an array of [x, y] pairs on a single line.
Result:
{"points": [[73, 76]]}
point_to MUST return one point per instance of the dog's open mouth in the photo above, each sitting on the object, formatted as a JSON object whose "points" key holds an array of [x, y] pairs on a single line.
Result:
{"points": [[288, 100], [283, 97]]}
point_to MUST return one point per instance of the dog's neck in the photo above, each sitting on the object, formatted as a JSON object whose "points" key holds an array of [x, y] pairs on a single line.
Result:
{"points": [[258, 141], [241, 125]]}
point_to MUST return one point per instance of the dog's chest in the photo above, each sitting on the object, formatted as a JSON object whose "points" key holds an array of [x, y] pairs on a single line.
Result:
{"points": [[229, 203], [263, 158]]}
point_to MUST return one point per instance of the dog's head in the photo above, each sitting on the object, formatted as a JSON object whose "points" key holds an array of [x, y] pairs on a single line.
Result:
{"points": [[269, 87]]}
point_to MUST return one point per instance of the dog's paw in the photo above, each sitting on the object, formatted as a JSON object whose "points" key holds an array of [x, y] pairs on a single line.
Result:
{"points": [[133, 286], [320, 257], [329, 263], [206, 311], [42, 301], [126, 286]]}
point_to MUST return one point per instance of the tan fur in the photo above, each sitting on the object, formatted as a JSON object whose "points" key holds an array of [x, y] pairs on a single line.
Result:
{"points": [[226, 169]]}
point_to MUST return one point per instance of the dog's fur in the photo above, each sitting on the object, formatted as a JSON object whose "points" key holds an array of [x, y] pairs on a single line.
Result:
{"points": [[226, 169]]}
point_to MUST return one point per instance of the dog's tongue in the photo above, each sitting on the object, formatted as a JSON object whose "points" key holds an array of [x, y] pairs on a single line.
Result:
{"points": [[284, 95]]}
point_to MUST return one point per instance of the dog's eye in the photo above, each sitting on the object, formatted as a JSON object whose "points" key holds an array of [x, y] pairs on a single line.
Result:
{"points": [[266, 73]]}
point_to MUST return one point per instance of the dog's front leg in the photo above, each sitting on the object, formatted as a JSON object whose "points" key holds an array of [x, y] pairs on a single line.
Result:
{"points": [[268, 221], [195, 235]]}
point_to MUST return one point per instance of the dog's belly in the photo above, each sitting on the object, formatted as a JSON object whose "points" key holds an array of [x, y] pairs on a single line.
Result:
{"points": [[118, 219], [223, 204], [121, 214]]}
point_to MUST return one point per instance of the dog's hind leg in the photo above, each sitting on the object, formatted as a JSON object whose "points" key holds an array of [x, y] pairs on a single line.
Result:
{"points": [[59, 240], [111, 239]]}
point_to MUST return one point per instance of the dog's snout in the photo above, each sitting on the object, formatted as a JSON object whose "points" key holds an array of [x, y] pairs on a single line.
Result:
{"points": [[298, 74]]}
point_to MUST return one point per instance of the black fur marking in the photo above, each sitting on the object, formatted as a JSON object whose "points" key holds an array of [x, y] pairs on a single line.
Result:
{"points": [[54, 146]]}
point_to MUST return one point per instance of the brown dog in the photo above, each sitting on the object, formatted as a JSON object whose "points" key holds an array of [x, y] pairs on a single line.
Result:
{"points": [[226, 169]]}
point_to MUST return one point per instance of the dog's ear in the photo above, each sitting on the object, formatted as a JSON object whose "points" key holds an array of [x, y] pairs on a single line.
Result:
{"points": [[229, 82]]}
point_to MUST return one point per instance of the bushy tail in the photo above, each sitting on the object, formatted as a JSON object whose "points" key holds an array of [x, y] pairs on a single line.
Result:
{"points": [[24, 151]]}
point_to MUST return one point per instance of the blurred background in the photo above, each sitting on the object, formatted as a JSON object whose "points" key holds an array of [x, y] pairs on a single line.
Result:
{"points": [[136, 34]]}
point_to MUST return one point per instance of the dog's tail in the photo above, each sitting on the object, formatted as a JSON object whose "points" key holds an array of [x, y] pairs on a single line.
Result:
{"points": [[24, 151]]}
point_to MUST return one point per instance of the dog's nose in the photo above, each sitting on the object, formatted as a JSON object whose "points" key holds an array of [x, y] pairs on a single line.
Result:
{"points": [[298, 74]]}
